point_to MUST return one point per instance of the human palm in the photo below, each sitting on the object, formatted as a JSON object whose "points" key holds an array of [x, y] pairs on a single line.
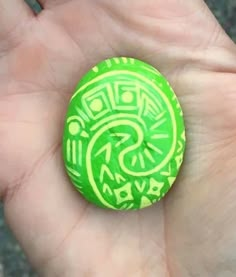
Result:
{"points": [[189, 233]]}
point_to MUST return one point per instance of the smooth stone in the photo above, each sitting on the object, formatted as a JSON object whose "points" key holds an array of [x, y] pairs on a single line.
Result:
{"points": [[124, 136]]}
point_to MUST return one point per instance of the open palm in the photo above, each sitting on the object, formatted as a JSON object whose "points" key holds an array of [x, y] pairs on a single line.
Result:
{"points": [[189, 233]]}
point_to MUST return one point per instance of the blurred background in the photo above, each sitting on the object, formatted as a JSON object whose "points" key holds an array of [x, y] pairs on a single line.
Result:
{"points": [[12, 259]]}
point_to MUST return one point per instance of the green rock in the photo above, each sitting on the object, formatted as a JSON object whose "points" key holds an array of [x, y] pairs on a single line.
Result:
{"points": [[124, 136]]}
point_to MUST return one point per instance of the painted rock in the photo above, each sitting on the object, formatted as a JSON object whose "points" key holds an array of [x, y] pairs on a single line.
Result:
{"points": [[124, 136]]}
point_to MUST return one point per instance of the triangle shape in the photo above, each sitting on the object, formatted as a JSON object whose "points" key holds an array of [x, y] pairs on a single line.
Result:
{"points": [[105, 170], [124, 137], [171, 180], [119, 178], [145, 202], [140, 187], [107, 150], [106, 189]]}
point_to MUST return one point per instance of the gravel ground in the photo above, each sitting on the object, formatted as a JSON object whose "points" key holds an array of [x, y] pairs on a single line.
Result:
{"points": [[12, 259]]}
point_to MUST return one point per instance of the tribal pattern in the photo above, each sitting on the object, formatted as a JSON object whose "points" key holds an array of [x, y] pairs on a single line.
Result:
{"points": [[124, 137]]}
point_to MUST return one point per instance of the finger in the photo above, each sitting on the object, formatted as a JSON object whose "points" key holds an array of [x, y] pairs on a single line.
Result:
{"points": [[42, 211], [13, 14]]}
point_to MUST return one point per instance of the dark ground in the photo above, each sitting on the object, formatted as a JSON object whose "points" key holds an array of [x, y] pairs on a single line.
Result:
{"points": [[12, 260]]}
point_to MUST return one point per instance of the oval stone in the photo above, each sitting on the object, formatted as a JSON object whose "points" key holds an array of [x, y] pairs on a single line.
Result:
{"points": [[124, 135]]}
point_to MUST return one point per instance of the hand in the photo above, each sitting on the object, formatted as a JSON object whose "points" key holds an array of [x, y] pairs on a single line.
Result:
{"points": [[189, 233]]}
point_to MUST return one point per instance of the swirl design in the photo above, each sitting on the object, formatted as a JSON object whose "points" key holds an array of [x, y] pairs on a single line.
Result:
{"points": [[124, 137]]}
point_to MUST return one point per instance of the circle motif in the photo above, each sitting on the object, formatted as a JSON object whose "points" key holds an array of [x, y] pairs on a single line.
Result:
{"points": [[74, 128], [127, 97], [124, 136], [96, 105]]}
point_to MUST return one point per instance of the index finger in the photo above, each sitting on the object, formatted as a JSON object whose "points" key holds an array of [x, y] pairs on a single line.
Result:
{"points": [[13, 14]]}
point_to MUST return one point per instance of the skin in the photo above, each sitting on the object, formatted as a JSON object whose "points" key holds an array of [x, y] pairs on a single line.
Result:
{"points": [[189, 233]]}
